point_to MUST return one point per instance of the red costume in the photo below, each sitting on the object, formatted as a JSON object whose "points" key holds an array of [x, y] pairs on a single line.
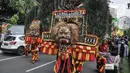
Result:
{"points": [[103, 47], [101, 60], [71, 54], [34, 42], [26, 50], [34, 51]]}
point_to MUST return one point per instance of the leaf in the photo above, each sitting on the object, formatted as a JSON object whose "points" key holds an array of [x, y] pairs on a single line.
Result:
{"points": [[16, 17], [12, 20]]}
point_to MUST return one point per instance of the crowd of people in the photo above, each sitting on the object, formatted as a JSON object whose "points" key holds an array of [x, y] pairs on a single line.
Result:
{"points": [[115, 50]]}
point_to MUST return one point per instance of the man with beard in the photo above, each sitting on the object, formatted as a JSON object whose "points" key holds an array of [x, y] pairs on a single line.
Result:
{"points": [[123, 52]]}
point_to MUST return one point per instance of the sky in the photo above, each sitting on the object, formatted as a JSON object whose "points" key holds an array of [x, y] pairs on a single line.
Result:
{"points": [[121, 6]]}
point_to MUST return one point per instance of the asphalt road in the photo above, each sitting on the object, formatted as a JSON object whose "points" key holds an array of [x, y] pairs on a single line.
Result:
{"points": [[10, 63]]}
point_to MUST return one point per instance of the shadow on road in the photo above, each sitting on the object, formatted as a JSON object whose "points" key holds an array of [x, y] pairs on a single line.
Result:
{"points": [[95, 71], [8, 54]]}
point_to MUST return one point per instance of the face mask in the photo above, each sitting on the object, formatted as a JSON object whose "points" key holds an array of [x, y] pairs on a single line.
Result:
{"points": [[122, 42]]}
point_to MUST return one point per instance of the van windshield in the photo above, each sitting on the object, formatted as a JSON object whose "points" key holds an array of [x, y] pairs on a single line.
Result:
{"points": [[10, 38]]}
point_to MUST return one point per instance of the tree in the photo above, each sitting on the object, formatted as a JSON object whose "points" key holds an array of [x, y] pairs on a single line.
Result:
{"points": [[47, 6], [23, 7], [99, 18], [127, 32], [5, 11]]}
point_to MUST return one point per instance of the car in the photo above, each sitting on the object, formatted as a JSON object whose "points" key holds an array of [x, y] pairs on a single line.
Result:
{"points": [[13, 44]]}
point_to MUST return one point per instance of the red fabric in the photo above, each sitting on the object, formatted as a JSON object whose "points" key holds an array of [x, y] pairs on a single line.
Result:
{"points": [[68, 66], [92, 57], [77, 50], [80, 68], [103, 47], [64, 64], [58, 63], [47, 46], [26, 51], [83, 56]]}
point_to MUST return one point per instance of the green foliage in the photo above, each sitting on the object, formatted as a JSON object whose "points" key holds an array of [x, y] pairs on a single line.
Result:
{"points": [[23, 7], [115, 19], [127, 63], [116, 28], [99, 18], [126, 68], [44, 11], [16, 16], [9, 26], [129, 54], [12, 20], [31, 15], [127, 32]]}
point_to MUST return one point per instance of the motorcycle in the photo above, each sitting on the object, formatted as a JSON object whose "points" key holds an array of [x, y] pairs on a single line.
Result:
{"points": [[108, 62], [112, 64]]}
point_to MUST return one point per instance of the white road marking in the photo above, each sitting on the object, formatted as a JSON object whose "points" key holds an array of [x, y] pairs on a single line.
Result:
{"points": [[40, 66], [9, 58]]}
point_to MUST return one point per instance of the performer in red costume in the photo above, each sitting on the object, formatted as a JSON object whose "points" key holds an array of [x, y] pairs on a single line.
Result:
{"points": [[33, 38], [66, 40], [101, 60], [34, 51], [103, 47], [27, 49]]}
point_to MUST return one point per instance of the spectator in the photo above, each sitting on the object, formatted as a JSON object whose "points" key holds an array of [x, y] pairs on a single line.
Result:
{"points": [[123, 52], [126, 40], [113, 48]]}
